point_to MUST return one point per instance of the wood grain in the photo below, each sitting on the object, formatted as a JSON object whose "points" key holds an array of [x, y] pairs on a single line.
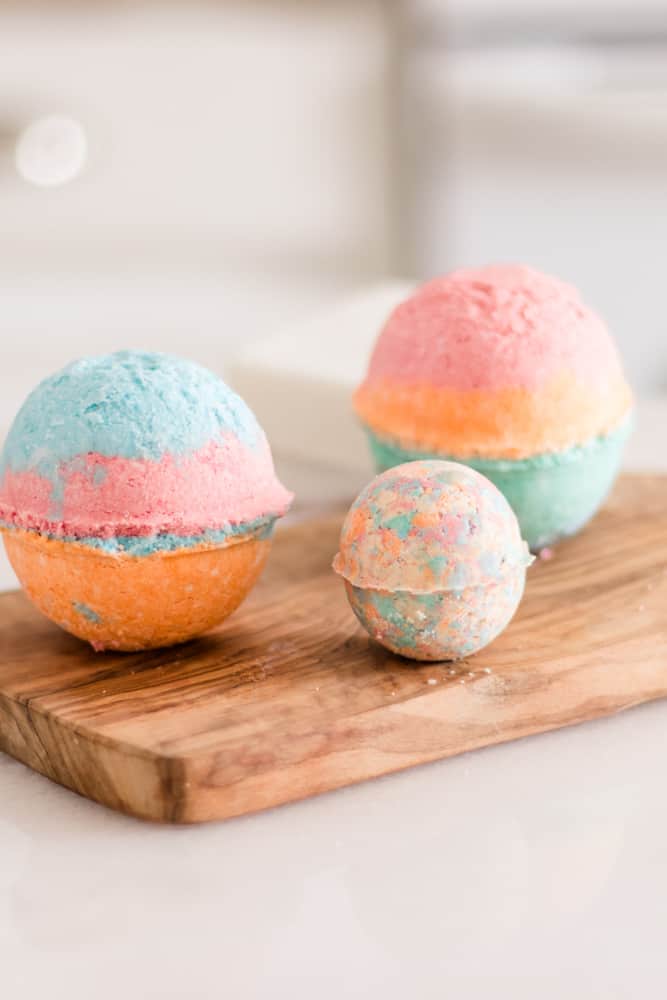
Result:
{"points": [[290, 697]]}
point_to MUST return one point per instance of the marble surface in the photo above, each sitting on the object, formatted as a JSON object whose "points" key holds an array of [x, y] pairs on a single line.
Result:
{"points": [[538, 868]]}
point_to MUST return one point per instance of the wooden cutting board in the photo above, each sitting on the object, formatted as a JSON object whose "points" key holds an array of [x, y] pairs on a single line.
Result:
{"points": [[290, 697]]}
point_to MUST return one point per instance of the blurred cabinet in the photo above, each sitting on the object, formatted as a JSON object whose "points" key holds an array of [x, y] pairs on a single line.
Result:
{"points": [[243, 134]]}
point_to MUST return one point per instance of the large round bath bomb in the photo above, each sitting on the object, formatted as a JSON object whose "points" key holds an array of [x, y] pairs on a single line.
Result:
{"points": [[505, 369], [137, 499], [433, 561]]}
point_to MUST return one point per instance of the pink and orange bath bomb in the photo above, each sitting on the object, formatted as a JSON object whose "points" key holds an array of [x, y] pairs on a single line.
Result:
{"points": [[507, 370]]}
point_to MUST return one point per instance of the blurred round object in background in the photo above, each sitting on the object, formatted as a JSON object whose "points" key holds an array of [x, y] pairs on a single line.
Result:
{"points": [[51, 151]]}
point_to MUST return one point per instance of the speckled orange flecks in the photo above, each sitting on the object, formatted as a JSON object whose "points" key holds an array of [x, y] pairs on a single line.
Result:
{"points": [[432, 559]]}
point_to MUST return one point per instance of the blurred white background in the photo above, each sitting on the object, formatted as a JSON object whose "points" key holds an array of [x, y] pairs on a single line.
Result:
{"points": [[218, 171]]}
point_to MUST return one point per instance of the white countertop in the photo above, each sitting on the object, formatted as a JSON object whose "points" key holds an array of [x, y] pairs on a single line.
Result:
{"points": [[534, 869]]}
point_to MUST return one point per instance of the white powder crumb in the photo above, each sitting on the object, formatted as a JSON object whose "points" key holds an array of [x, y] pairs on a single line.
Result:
{"points": [[462, 681], [452, 673], [431, 680], [471, 673], [487, 670]]}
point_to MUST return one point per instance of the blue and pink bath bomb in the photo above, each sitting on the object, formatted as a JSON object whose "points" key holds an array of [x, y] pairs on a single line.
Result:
{"points": [[137, 499]]}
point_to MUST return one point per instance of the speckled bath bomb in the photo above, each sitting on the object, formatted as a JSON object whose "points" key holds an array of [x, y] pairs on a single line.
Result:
{"points": [[433, 560], [137, 499]]}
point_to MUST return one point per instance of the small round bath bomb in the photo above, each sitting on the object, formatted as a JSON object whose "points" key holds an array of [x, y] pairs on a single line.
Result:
{"points": [[137, 499], [433, 560], [507, 370]]}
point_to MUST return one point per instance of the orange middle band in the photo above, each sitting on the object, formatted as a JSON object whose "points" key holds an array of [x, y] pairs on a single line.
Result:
{"points": [[510, 423]]}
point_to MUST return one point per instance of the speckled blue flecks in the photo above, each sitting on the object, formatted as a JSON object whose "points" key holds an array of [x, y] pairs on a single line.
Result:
{"points": [[447, 625], [87, 612], [432, 559], [129, 404]]}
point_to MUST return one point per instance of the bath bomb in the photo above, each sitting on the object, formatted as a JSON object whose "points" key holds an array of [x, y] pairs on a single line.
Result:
{"points": [[505, 369], [432, 559], [137, 499]]}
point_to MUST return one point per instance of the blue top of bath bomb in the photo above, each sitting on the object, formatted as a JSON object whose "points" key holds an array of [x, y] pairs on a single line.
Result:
{"points": [[131, 404]]}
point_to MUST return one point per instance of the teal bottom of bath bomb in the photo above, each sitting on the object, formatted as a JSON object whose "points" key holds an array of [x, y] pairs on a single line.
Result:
{"points": [[553, 495]]}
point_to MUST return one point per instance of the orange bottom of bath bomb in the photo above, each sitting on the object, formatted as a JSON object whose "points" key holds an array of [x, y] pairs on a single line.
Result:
{"points": [[134, 602]]}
